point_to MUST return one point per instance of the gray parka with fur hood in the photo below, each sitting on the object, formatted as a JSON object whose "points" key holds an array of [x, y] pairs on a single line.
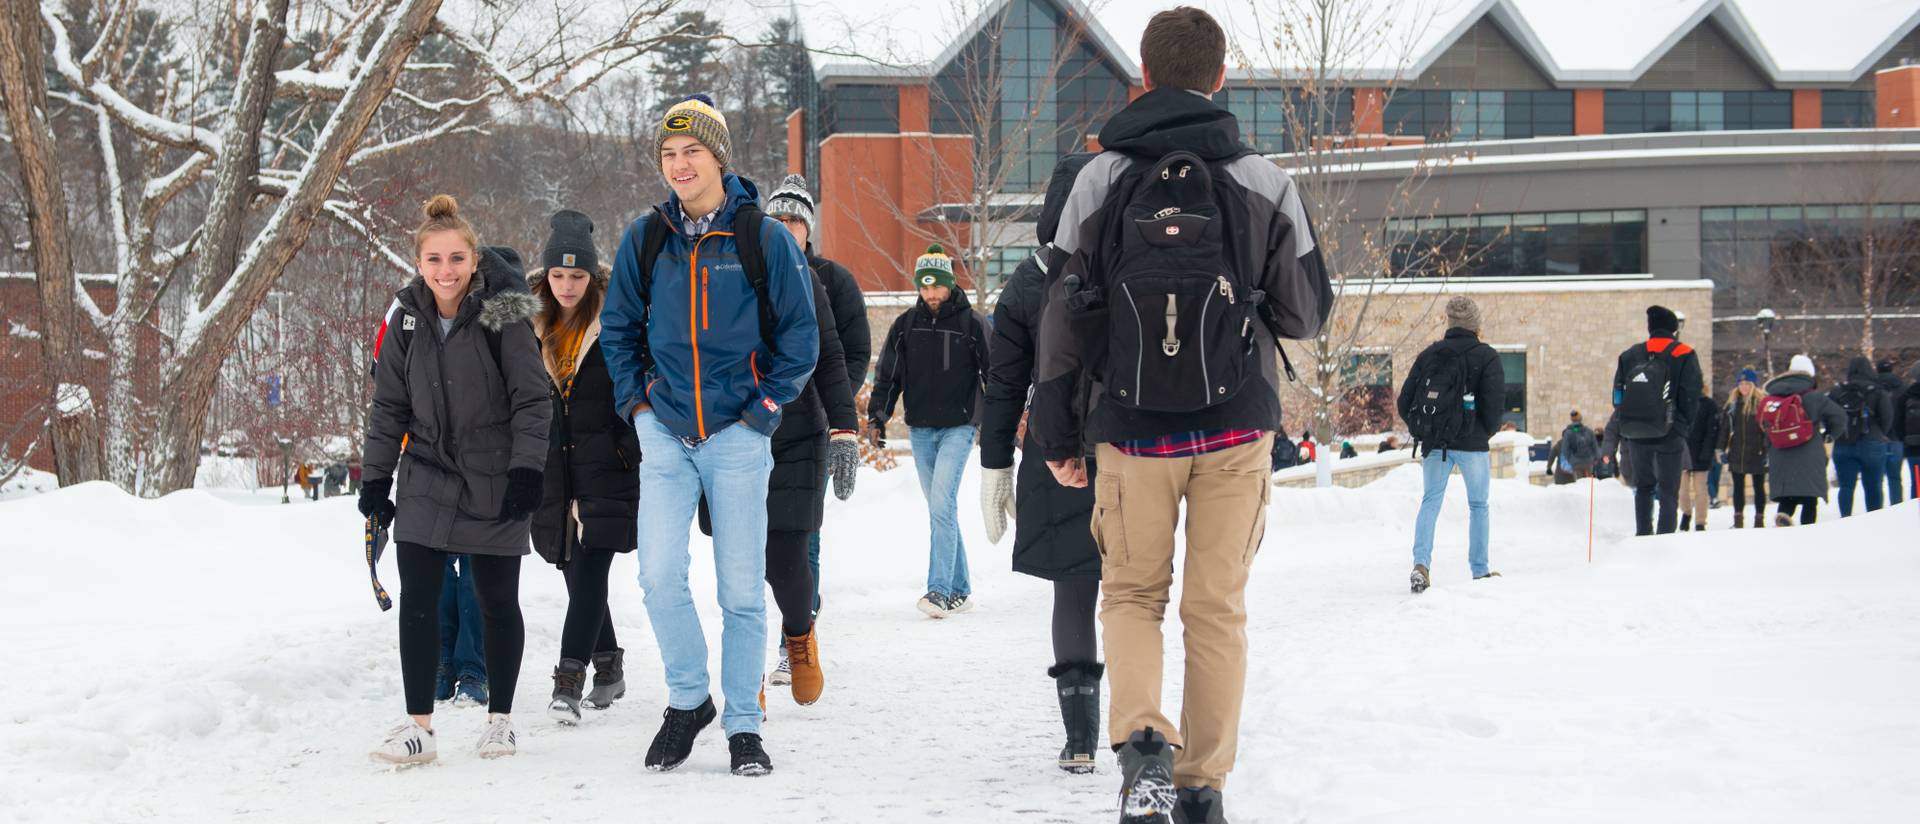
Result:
{"points": [[465, 415]]}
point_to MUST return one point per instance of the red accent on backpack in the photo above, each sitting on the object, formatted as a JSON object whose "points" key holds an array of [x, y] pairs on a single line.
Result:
{"points": [[1784, 419]]}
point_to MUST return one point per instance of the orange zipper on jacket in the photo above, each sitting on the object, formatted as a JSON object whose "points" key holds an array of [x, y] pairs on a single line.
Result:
{"points": [[693, 328]]}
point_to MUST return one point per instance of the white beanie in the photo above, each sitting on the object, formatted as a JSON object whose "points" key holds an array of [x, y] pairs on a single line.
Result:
{"points": [[1801, 364]]}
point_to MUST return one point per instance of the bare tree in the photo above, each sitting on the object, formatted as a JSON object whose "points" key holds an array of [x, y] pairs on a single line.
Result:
{"points": [[1331, 54], [216, 169]]}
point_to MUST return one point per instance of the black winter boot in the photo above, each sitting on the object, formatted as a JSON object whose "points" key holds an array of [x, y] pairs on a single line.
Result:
{"points": [[1146, 778], [1200, 805], [1078, 687], [1686, 523]]}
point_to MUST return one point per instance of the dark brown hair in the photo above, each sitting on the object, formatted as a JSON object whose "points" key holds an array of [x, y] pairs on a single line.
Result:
{"points": [[553, 329], [1184, 48]]}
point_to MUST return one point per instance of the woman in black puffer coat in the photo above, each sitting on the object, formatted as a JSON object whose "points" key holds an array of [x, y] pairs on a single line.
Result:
{"points": [[1051, 536], [592, 495]]}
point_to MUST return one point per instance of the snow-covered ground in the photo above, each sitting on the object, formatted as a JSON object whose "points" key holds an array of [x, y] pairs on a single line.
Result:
{"points": [[215, 656]]}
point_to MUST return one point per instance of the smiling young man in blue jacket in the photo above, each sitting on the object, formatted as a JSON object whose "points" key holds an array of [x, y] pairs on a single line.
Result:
{"points": [[703, 368]]}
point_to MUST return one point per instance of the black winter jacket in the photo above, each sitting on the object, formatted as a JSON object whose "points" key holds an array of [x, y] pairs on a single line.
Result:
{"points": [[1051, 538], [1741, 436], [938, 361], [1683, 375], [849, 316], [1906, 424], [1703, 434], [592, 479], [1488, 385], [1862, 378], [794, 502]]}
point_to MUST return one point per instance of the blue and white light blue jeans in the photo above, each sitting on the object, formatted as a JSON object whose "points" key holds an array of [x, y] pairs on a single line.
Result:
{"points": [[940, 457], [731, 468], [1475, 470]]}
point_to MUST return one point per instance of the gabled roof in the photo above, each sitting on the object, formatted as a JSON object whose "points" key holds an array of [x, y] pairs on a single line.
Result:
{"points": [[1574, 42]]}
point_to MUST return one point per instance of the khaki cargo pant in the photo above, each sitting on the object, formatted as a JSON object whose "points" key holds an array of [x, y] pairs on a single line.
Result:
{"points": [[1136, 507]]}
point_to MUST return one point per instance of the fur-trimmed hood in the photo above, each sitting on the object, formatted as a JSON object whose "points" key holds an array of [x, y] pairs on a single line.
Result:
{"points": [[504, 296]]}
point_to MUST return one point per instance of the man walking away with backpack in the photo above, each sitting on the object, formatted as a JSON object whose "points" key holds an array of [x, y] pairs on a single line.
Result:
{"points": [[1896, 390], [708, 331], [935, 360], [1579, 448], [1158, 346], [1860, 456], [1452, 402], [1653, 390], [1795, 418], [1703, 435]]}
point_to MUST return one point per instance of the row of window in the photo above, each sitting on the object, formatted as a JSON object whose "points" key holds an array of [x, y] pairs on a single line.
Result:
{"points": [[1810, 255], [1606, 242], [1084, 90]]}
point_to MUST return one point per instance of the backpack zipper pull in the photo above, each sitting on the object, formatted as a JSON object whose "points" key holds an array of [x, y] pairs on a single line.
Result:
{"points": [[1171, 344], [1226, 290]]}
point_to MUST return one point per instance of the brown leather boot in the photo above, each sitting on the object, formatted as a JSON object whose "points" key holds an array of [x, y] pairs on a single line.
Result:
{"points": [[803, 656]]}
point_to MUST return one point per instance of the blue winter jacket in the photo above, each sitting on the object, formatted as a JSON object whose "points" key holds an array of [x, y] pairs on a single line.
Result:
{"points": [[710, 366]]}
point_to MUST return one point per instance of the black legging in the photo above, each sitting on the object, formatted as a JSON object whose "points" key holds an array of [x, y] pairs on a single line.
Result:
{"points": [[1809, 508], [1759, 493], [1074, 640], [589, 625], [792, 580], [496, 584]]}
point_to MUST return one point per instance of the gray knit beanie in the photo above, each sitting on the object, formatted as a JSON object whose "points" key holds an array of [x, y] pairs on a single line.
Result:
{"points": [[1463, 313], [792, 199]]}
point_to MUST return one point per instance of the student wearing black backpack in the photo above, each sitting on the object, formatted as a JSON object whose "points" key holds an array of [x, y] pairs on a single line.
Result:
{"points": [[1896, 390], [1860, 456], [1158, 348], [1578, 450], [1654, 387], [709, 332], [1452, 403], [1703, 439], [1907, 425]]}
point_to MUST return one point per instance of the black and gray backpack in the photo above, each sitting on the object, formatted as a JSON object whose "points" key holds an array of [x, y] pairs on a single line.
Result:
{"points": [[1177, 320]]}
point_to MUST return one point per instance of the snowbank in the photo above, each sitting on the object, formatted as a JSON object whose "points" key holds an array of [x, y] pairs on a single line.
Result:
{"points": [[214, 656]]}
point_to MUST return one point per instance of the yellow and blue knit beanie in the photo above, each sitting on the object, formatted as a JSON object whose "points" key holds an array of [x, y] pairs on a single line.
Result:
{"points": [[934, 268], [697, 117]]}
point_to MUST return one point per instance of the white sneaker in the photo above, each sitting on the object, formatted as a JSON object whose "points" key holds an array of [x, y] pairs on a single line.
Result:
{"points": [[498, 739], [408, 743], [783, 671]]}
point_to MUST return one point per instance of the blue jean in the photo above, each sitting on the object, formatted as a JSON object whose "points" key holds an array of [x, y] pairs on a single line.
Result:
{"points": [[1896, 476], [460, 628], [731, 467], [1476, 471], [1862, 464], [940, 457], [813, 559]]}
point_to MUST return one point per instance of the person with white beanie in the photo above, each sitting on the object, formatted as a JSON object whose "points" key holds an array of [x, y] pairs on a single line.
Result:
{"points": [[1797, 419]]}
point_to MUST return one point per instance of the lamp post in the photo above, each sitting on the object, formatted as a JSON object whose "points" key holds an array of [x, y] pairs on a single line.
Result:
{"points": [[286, 465], [1765, 319]]}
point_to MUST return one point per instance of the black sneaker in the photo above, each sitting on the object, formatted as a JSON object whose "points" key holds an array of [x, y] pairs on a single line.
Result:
{"points": [[1200, 805], [749, 758], [674, 742], [1146, 778]]}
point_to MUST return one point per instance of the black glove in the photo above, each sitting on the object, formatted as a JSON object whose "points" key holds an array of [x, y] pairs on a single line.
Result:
{"points": [[524, 489], [843, 462], [877, 434], [374, 503]]}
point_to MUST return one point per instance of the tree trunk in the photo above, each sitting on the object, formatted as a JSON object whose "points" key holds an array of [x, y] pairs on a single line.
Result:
{"points": [[196, 369], [76, 432], [1866, 297], [23, 88]]}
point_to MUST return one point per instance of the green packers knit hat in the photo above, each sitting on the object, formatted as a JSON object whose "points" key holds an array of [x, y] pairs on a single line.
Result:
{"points": [[697, 117], [933, 268]]}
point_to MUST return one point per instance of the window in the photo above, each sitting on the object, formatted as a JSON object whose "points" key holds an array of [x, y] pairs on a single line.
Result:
{"points": [[863, 109], [1480, 115], [1633, 112], [1846, 110], [1598, 242], [1004, 261], [1514, 366], [1269, 118], [1809, 255]]}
